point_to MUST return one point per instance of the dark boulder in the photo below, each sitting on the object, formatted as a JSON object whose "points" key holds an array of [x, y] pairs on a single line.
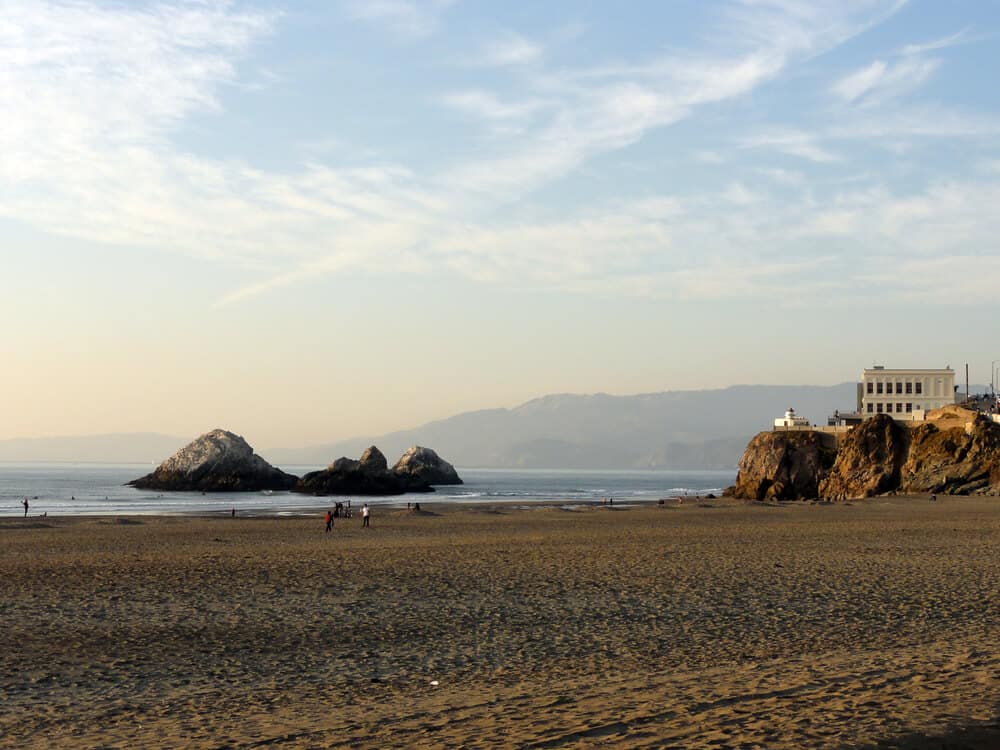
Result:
{"points": [[218, 461], [369, 476]]}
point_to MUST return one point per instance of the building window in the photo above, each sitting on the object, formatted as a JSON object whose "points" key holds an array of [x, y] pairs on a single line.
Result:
{"points": [[909, 408], [899, 387], [909, 387], [899, 407], [871, 387], [920, 387], [878, 387], [871, 407], [878, 408]]}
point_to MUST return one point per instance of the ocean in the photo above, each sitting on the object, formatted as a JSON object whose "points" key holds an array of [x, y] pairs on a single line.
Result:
{"points": [[59, 489]]}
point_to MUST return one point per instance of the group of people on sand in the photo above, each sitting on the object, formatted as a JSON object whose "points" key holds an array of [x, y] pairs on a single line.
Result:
{"points": [[339, 511]]}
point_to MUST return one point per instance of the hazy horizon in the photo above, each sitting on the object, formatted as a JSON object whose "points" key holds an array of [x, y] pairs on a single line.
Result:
{"points": [[330, 220]]}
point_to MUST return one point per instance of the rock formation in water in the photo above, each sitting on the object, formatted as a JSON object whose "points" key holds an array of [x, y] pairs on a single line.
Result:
{"points": [[427, 466], [955, 451], [369, 476], [218, 461], [783, 466]]}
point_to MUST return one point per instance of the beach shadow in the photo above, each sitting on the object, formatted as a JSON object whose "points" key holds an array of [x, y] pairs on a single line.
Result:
{"points": [[985, 736], [24, 525], [121, 522]]}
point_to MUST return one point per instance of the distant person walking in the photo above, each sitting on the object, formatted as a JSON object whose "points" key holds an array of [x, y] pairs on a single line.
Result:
{"points": [[25, 504], [365, 515], [329, 522]]}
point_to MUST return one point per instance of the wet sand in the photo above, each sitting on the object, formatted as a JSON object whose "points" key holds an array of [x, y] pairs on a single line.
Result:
{"points": [[712, 625]]}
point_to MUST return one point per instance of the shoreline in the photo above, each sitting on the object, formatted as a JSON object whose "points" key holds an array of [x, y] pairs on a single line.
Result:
{"points": [[386, 503]]}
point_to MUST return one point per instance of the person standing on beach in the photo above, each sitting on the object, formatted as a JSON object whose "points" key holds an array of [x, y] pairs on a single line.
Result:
{"points": [[329, 522], [365, 513], [25, 504]]}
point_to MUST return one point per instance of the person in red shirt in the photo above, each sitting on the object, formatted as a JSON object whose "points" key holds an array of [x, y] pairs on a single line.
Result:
{"points": [[329, 522]]}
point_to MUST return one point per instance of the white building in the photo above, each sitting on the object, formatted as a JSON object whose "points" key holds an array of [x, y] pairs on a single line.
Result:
{"points": [[905, 394], [791, 419]]}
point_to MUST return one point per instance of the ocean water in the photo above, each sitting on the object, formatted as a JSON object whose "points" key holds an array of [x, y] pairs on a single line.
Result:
{"points": [[98, 489]]}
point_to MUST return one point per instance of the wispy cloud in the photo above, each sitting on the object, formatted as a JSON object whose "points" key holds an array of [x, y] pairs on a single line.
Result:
{"points": [[488, 106], [405, 18], [952, 40], [794, 143], [511, 49], [880, 81], [90, 153]]}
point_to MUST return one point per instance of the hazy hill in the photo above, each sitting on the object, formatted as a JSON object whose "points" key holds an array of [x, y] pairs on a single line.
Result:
{"points": [[671, 430], [675, 429], [138, 447]]}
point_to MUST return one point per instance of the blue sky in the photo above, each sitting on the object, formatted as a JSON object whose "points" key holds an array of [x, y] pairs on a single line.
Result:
{"points": [[314, 220]]}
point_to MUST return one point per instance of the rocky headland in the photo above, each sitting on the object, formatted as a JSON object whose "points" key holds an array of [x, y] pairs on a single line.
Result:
{"points": [[415, 471], [956, 451], [218, 461]]}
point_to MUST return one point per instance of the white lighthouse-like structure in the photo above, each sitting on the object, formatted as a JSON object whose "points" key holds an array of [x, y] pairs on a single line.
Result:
{"points": [[791, 419]]}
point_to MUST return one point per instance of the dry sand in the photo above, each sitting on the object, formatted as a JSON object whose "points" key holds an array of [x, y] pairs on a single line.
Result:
{"points": [[869, 625]]}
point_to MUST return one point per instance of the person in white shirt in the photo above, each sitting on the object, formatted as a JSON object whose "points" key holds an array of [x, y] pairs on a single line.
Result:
{"points": [[365, 513]]}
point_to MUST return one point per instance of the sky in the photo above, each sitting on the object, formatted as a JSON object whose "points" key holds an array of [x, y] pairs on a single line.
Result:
{"points": [[310, 221]]}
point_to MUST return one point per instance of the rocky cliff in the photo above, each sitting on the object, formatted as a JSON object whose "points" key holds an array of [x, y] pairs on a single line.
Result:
{"points": [[783, 466], [869, 460], [426, 465], [218, 461], [954, 459], [955, 452]]}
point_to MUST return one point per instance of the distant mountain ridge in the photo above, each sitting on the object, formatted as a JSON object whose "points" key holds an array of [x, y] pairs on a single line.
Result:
{"points": [[125, 447], [705, 429]]}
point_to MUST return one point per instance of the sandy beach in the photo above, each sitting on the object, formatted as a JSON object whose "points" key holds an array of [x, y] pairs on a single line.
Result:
{"points": [[709, 625]]}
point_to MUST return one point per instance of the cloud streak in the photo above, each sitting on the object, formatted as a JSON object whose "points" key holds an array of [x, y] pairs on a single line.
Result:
{"points": [[90, 154]]}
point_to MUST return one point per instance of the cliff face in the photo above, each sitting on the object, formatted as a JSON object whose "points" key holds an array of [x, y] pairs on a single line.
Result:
{"points": [[783, 466], [869, 460], [954, 460], [218, 461], [958, 453]]}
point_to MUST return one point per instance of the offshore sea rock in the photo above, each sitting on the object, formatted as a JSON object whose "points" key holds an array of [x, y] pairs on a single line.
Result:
{"points": [[783, 466], [369, 476], [426, 465], [218, 461]]}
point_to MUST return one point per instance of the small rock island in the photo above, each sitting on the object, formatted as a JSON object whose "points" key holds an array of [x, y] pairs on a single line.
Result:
{"points": [[221, 461], [218, 461], [415, 471]]}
